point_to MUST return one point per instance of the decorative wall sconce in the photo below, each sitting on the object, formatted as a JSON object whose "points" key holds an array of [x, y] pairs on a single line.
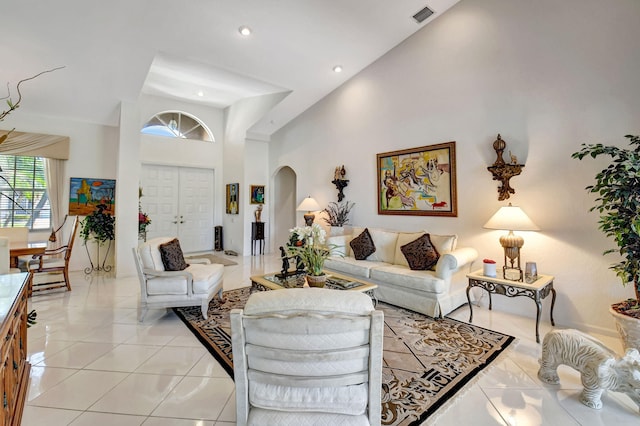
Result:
{"points": [[502, 171], [339, 181]]}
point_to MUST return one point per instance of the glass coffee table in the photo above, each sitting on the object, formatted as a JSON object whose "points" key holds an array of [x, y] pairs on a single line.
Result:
{"points": [[335, 281]]}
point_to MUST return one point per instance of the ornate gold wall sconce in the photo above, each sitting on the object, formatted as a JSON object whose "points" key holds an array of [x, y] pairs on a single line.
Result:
{"points": [[503, 171]]}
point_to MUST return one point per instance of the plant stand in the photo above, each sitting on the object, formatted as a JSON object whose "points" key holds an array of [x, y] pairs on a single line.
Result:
{"points": [[98, 267]]}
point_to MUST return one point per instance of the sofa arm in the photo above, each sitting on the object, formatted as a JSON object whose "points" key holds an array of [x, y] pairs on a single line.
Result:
{"points": [[453, 261]]}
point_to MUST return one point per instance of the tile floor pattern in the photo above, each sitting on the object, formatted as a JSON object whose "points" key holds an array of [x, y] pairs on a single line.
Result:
{"points": [[94, 364]]}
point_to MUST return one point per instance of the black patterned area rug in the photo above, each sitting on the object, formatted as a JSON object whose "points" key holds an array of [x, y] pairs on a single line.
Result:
{"points": [[426, 360]]}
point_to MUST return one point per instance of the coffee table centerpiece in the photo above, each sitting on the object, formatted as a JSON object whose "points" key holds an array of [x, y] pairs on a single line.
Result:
{"points": [[309, 244]]}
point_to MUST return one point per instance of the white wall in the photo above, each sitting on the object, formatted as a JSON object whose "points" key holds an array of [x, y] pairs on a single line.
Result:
{"points": [[547, 76], [256, 173]]}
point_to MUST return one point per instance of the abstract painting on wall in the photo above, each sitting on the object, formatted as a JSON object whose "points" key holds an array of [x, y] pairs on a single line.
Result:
{"points": [[85, 194], [418, 181]]}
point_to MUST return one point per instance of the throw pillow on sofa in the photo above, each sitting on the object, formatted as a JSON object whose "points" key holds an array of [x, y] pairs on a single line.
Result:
{"points": [[172, 257], [421, 255], [362, 245]]}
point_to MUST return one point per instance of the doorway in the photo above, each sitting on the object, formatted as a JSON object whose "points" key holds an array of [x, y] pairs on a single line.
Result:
{"points": [[285, 183], [179, 202]]}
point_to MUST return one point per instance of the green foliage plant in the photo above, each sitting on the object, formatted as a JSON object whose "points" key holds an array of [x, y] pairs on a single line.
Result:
{"points": [[99, 226], [617, 188]]}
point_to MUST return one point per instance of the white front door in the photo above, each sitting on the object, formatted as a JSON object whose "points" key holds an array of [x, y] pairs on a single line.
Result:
{"points": [[179, 202]]}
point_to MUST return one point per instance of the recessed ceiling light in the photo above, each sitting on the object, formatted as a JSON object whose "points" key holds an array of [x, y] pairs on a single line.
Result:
{"points": [[337, 68], [244, 30], [200, 93]]}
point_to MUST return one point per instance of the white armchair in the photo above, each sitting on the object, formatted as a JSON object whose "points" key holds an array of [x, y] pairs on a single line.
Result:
{"points": [[307, 356], [159, 288]]}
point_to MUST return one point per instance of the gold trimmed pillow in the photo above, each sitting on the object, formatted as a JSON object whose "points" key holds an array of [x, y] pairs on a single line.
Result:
{"points": [[362, 245], [172, 257], [421, 254]]}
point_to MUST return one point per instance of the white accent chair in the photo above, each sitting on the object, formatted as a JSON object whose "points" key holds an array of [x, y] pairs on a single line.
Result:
{"points": [[307, 356], [196, 285]]}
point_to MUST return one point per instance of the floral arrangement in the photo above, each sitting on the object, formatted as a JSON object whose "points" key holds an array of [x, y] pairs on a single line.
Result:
{"points": [[309, 243], [143, 222], [143, 218]]}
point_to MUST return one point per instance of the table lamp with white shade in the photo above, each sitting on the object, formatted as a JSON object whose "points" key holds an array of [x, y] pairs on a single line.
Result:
{"points": [[309, 205], [511, 218]]}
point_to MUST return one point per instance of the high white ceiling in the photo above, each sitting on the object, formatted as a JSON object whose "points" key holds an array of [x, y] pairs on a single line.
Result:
{"points": [[115, 50]]}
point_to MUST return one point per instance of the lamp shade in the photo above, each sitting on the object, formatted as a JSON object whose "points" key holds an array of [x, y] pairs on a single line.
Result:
{"points": [[511, 218], [308, 205]]}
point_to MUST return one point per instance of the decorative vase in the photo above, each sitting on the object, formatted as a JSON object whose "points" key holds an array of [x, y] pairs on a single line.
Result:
{"points": [[316, 280], [628, 328], [336, 230]]}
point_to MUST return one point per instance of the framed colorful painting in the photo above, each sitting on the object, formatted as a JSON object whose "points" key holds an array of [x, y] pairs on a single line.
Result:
{"points": [[233, 196], [86, 193], [257, 194], [418, 181]]}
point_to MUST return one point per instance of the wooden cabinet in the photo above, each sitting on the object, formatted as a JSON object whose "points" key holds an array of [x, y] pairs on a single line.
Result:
{"points": [[14, 368], [257, 236]]}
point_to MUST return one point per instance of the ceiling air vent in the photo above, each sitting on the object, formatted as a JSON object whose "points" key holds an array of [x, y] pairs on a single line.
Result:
{"points": [[423, 14]]}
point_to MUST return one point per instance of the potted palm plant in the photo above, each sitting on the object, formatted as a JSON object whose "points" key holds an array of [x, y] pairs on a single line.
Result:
{"points": [[618, 202]]}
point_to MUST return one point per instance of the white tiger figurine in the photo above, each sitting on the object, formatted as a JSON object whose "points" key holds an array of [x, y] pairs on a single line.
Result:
{"points": [[600, 368]]}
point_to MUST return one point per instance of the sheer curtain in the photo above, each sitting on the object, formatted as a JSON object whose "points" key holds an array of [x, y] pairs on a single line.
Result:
{"points": [[54, 173]]}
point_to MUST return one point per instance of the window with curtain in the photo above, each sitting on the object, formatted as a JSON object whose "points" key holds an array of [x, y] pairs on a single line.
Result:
{"points": [[23, 193]]}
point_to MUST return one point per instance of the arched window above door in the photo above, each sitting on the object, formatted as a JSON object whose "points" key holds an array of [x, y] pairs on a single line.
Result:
{"points": [[176, 124]]}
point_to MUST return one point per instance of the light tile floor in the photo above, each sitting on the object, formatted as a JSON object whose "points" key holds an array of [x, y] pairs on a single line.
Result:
{"points": [[94, 364]]}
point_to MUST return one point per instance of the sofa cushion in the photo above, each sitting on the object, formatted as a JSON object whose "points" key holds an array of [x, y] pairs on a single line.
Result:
{"points": [[150, 254], [204, 277], [351, 266], [385, 242], [340, 244], [421, 254], [172, 257], [444, 243], [350, 400], [362, 245], [404, 238], [402, 276]]}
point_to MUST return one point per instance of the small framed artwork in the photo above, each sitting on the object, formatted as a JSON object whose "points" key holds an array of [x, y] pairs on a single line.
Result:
{"points": [[418, 181], [257, 194], [232, 198], [85, 194]]}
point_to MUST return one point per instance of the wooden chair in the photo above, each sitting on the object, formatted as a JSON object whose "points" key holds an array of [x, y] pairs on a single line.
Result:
{"points": [[53, 261]]}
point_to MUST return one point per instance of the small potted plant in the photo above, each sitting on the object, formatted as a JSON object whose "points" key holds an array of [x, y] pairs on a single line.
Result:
{"points": [[309, 244], [618, 202], [338, 216]]}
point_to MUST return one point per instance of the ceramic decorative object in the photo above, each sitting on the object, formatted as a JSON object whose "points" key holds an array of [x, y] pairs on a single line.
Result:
{"points": [[627, 329], [600, 368], [316, 280]]}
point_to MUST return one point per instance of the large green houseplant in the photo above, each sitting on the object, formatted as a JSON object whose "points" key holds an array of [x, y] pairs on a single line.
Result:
{"points": [[99, 226], [617, 188]]}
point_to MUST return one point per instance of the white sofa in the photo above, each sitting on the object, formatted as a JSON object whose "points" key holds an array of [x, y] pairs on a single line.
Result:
{"points": [[434, 293]]}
